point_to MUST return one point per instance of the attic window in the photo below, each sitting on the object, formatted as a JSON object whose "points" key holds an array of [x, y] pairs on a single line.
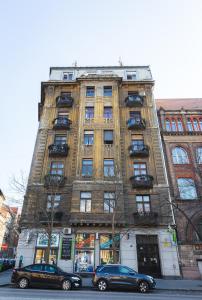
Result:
{"points": [[131, 75]]}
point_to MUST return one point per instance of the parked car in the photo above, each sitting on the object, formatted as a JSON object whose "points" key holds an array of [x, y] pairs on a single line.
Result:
{"points": [[119, 276], [6, 263], [45, 275]]}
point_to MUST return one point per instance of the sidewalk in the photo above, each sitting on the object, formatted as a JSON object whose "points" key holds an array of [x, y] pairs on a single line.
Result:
{"points": [[162, 284]]}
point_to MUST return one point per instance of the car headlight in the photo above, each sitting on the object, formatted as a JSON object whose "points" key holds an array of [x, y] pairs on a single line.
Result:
{"points": [[75, 278]]}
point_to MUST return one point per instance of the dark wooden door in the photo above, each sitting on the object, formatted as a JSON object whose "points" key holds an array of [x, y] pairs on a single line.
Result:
{"points": [[148, 255]]}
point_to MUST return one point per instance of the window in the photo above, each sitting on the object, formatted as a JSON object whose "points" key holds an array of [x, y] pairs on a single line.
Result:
{"points": [[140, 169], [49, 269], [108, 112], [85, 202], [87, 167], [35, 268], [90, 91], [68, 76], [57, 168], [131, 75], [53, 201], [168, 127], [196, 125], [107, 91], [200, 123], [137, 142], [108, 136], [66, 94], [63, 115], [89, 112], [179, 156], [143, 203], [199, 227], [88, 137], [199, 155], [109, 202], [187, 188], [135, 115], [60, 139], [131, 93], [189, 125], [108, 167], [179, 125], [173, 125]]}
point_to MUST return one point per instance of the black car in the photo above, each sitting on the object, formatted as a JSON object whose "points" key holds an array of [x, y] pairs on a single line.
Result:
{"points": [[119, 276], [45, 275]]}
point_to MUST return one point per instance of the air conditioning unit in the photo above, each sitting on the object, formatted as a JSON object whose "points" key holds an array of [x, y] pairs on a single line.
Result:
{"points": [[67, 231]]}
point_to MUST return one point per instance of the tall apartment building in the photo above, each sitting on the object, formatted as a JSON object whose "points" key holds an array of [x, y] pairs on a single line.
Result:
{"points": [[98, 134], [181, 130]]}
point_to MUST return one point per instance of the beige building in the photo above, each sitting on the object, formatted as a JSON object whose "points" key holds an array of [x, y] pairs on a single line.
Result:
{"points": [[98, 138]]}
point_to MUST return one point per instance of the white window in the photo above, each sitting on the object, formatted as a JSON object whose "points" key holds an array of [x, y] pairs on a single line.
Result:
{"points": [[199, 155], [85, 202], [186, 188], [179, 156], [109, 202], [67, 76], [131, 75]]}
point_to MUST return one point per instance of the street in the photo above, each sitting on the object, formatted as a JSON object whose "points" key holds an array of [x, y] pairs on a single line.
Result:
{"points": [[17, 294]]}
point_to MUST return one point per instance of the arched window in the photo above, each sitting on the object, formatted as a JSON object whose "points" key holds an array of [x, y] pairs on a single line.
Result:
{"points": [[179, 156], [168, 127], [187, 188]]}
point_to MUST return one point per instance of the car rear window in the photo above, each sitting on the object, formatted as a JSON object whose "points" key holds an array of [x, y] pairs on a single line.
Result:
{"points": [[49, 269]]}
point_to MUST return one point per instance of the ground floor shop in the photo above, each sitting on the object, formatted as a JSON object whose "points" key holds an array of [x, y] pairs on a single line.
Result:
{"points": [[150, 251]]}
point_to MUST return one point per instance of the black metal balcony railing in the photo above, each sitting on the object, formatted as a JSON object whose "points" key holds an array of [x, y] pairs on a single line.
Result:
{"points": [[62, 123], [134, 101], [58, 150], [54, 180], [145, 218], [136, 123], [138, 151], [64, 101], [142, 181]]}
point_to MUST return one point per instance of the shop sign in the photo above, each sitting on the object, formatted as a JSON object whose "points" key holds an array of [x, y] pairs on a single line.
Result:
{"points": [[42, 240], [66, 247], [4, 247]]}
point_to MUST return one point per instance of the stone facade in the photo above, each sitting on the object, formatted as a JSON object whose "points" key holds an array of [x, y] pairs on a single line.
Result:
{"points": [[184, 132], [104, 99]]}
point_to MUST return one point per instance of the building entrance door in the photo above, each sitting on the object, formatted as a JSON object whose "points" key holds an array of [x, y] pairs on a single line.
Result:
{"points": [[148, 255]]}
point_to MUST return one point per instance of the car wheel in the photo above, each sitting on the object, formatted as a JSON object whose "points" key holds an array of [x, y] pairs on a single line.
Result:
{"points": [[23, 283], [66, 285], [102, 285], [143, 287]]}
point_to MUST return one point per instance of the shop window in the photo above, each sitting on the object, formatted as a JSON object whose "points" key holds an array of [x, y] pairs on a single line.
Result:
{"points": [[85, 202], [143, 203], [106, 252], [109, 168], [187, 188], [140, 169], [179, 156], [41, 248], [109, 202], [199, 155], [84, 252], [89, 112], [88, 137]]}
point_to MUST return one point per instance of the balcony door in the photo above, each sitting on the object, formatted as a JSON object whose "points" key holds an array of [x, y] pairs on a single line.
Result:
{"points": [[148, 255]]}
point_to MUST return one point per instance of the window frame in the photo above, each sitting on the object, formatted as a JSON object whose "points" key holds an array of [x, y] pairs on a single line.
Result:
{"points": [[88, 138], [90, 91], [108, 115], [180, 159], [87, 167], [111, 202], [108, 141], [57, 169], [140, 170], [107, 91], [183, 189], [108, 169], [89, 114], [199, 157], [87, 201], [143, 202]]}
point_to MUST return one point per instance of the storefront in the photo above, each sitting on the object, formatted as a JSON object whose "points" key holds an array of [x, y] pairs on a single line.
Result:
{"points": [[41, 248], [106, 251], [84, 252]]}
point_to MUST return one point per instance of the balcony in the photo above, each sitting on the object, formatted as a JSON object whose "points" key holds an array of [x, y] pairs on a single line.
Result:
{"points": [[145, 218], [134, 101], [64, 101], [142, 181], [138, 151], [95, 219], [136, 123], [58, 150], [62, 123], [54, 180]]}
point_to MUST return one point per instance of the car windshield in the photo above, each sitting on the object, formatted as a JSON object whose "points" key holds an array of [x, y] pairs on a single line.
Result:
{"points": [[131, 270]]}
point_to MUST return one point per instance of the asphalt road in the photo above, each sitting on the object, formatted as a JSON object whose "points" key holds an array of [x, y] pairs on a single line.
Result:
{"points": [[29, 294]]}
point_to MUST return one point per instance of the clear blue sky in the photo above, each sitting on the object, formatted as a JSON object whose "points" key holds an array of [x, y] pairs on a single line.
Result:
{"points": [[37, 34]]}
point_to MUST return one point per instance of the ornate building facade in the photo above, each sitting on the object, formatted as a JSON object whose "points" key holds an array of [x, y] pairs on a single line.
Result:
{"points": [[181, 130], [98, 170]]}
